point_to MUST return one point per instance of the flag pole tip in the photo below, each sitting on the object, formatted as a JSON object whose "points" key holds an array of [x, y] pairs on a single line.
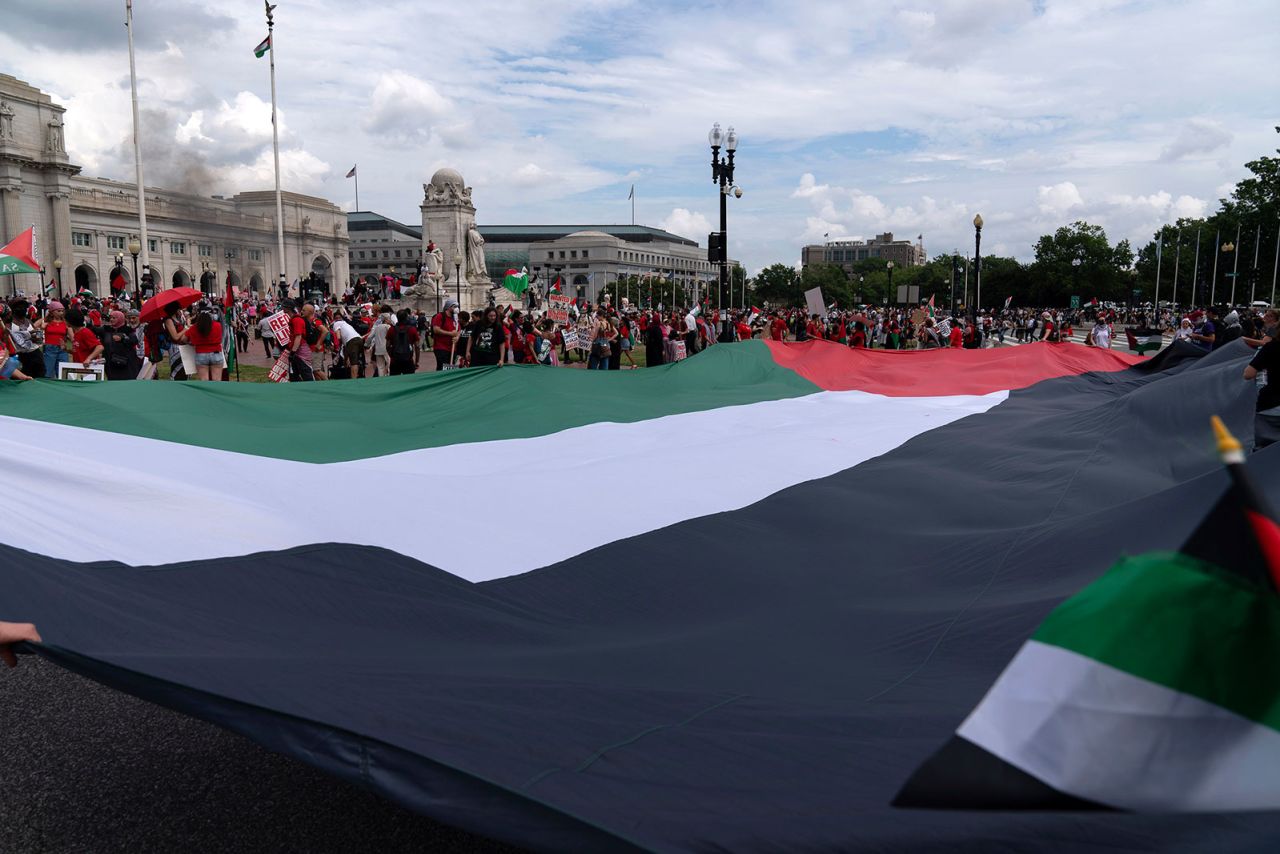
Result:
{"points": [[1229, 447]]}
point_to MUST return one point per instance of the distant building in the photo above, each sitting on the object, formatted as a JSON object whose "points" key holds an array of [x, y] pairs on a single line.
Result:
{"points": [[846, 253], [589, 258], [87, 223]]}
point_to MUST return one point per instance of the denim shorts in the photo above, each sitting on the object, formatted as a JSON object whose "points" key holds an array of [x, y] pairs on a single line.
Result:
{"points": [[8, 366], [209, 359]]}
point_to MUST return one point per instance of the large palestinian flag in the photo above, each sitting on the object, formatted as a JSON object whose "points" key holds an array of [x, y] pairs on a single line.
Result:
{"points": [[731, 603]]}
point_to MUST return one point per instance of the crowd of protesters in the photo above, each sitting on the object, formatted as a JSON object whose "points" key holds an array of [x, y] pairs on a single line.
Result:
{"points": [[345, 338]]}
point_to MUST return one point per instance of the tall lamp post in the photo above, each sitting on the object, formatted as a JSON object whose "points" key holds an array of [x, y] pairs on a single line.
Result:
{"points": [[457, 276], [722, 175], [977, 261], [891, 297], [1229, 249], [57, 274], [135, 246]]}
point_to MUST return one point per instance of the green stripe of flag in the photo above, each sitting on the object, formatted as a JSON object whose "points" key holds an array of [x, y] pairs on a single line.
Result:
{"points": [[1181, 623], [330, 422]]}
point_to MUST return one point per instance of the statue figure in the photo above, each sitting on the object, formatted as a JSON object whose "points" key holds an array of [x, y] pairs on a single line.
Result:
{"points": [[475, 254], [6, 120], [56, 145], [434, 260]]}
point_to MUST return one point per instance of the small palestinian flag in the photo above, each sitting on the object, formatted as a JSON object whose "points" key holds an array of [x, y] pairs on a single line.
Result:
{"points": [[19, 254], [1144, 340], [555, 286], [1008, 302], [262, 48], [1156, 688], [931, 305], [516, 281]]}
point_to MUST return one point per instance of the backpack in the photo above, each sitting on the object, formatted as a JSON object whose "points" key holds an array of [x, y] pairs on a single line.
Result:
{"points": [[311, 333], [401, 346]]}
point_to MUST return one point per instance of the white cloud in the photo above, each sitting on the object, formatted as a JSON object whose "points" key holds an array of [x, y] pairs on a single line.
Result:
{"points": [[1059, 199], [1197, 136], [687, 223], [405, 106]]}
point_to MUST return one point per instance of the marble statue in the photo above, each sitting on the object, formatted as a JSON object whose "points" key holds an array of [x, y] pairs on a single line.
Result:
{"points": [[6, 120], [434, 259], [56, 145], [475, 254]]}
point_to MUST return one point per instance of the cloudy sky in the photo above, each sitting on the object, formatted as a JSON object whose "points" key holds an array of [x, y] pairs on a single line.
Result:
{"points": [[855, 117]]}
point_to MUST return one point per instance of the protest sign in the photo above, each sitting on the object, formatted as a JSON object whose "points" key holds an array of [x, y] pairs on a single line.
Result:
{"points": [[584, 337], [570, 339], [680, 351], [279, 372], [813, 301], [81, 372], [279, 323], [558, 308]]}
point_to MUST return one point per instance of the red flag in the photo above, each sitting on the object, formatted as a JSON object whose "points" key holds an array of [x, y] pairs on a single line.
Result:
{"points": [[118, 283]]}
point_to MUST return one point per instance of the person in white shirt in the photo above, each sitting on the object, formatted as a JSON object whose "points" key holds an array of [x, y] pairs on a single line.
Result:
{"points": [[1102, 334], [377, 343], [351, 344]]}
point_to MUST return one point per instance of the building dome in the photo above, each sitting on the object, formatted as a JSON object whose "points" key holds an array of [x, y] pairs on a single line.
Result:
{"points": [[589, 233], [448, 176]]}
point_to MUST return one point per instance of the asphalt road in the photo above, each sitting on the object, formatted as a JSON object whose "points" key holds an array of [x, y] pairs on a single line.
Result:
{"points": [[84, 768]]}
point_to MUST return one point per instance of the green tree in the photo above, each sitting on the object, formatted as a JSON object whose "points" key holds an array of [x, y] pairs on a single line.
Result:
{"points": [[778, 284], [1078, 260], [833, 280]]}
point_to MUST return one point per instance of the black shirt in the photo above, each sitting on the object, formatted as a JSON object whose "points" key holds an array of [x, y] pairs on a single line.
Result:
{"points": [[1268, 359], [486, 344]]}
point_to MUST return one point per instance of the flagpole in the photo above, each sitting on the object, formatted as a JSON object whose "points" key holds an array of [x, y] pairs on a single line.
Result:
{"points": [[1159, 258], [1213, 283], [1177, 262], [1195, 271], [1275, 269], [357, 177], [1253, 279], [1235, 265], [275, 146], [137, 150]]}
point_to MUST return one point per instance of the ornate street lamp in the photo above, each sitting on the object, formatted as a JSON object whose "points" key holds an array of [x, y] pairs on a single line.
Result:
{"points": [[57, 273], [457, 275], [1227, 249], [135, 246], [722, 174], [977, 261]]}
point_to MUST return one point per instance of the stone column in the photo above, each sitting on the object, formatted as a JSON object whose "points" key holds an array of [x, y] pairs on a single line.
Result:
{"points": [[60, 242], [11, 201]]}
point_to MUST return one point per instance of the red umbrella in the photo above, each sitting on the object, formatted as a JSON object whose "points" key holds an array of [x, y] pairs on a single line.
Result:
{"points": [[153, 309]]}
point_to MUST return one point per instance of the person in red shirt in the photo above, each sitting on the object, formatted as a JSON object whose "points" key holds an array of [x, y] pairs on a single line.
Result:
{"points": [[813, 328], [744, 329], [956, 339], [85, 346], [444, 333], [777, 328], [205, 335], [55, 336]]}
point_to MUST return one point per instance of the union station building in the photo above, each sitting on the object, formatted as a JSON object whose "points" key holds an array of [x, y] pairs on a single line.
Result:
{"points": [[88, 223]]}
